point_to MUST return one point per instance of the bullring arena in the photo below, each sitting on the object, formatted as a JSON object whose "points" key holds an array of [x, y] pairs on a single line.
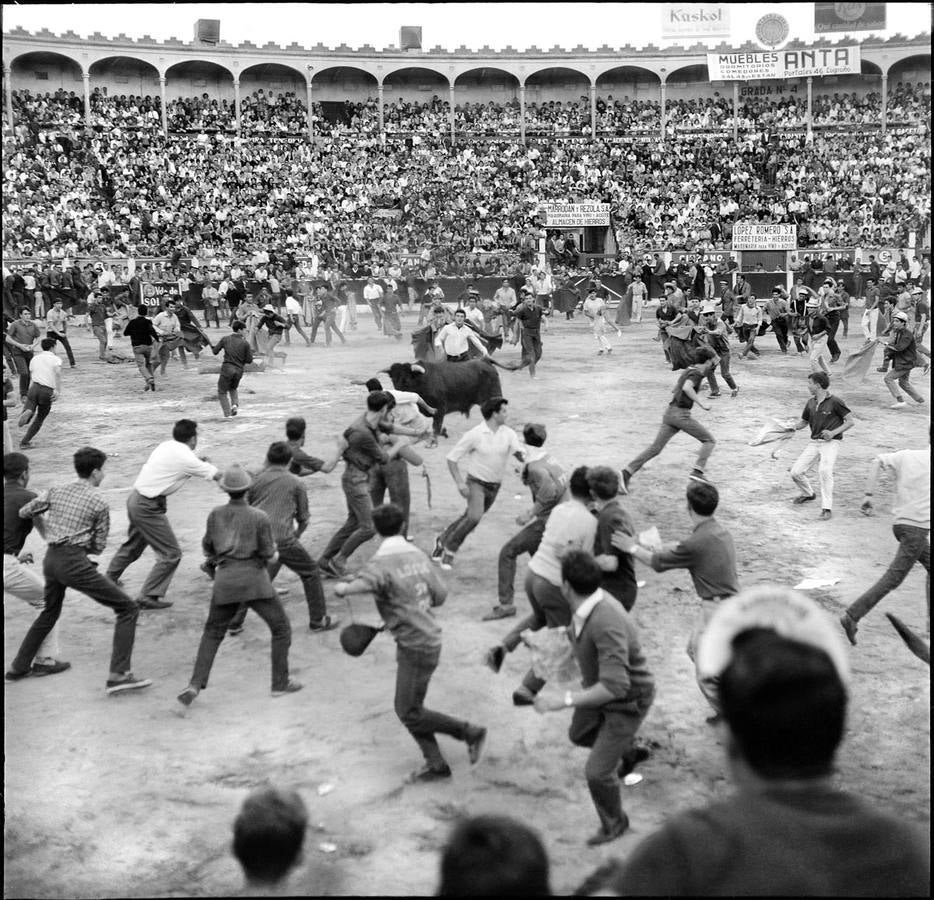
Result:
{"points": [[139, 173]]}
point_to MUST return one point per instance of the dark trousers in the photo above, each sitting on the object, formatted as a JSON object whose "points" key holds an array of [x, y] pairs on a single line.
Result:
{"points": [[913, 547], [614, 741], [100, 332], [676, 419], [725, 371], [394, 477], [69, 567], [415, 668], [329, 321], [358, 526], [219, 617], [295, 557], [780, 327], [21, 361], [210, 312], [531, 349], [833, 322], [61, 339], [149, 527], [143, 354], [39, 399], [480, 498], [524, 541]]}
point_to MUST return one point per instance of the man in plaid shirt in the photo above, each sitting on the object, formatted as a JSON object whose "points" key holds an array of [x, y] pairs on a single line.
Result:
{"points": [[75, 521]]}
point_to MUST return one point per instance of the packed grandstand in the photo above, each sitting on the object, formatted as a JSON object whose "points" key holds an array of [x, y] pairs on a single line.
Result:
{"points": [[226, 168]]}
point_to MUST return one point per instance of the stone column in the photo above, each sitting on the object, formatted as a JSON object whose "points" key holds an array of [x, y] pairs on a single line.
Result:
{"points": [[165, 115], [662, 95], [8, 91], [382, 124], [885, 100], [237, 105], [522, 113], [593, 111], [311, 121], [86, 77], [810, 115], [451, 103], [735, 111]]}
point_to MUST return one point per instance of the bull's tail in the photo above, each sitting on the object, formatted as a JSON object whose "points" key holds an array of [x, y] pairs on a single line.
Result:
{"points": [[508, 366]]}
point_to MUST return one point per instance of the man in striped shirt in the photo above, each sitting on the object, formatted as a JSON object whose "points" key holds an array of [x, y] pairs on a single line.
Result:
{"points": [[76, 523]]}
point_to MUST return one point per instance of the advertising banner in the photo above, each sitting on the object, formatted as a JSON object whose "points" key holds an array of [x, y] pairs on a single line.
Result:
{"points": [[571, 215], [761, 236], [813, 61], [694, 20], [848, 17]]}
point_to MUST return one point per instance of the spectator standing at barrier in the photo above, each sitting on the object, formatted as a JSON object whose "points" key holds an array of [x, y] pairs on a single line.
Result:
{"points": [[22, 339], [709, 555], [76, 521], [166, 470], [828, 417], [406, 588], [618, 689], [237, 356], [239, 545], [56, 326], [547, 482]]}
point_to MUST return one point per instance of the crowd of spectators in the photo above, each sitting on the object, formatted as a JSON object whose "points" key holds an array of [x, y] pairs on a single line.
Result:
{"points": [[124, 111], [265, 112], [200, 114], [472, 208]]}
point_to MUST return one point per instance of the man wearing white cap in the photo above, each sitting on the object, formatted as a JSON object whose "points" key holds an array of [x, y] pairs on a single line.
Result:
{"points": [[787, 830], [903, 355], [275, 325]]}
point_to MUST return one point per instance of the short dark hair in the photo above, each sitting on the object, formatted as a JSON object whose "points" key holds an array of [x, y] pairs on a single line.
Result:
{"points": [[703, 354], [142, 310], [580, 570], [47, 343], [268, 833], [534, 435], [184, 430], [578, 484], [23, 309], [295, 428], [14, 465], [377, 401], [820, 378], [703, 497], [279, 453], [493, 856], [784, 703], [87, 459], [237, 325], [460, 310], [374, 384], [388, 519], [493, 405], [603, 482]]}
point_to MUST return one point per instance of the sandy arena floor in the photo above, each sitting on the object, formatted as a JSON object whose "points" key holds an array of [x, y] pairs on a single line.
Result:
{"points": [[125, 796]]}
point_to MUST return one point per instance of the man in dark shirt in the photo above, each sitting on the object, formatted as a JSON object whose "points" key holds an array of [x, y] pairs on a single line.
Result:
{"points": [[903, 356], [363, 451], [619, 574], [97, 315], [142, 334], [787, 830], [19, 580], [666, 313], [326, 302], [818, 332], [275, 325], [302, 463], [22, 337], [530, 315], [237, 355], [678, 418], [828, 417], [709, 556]]}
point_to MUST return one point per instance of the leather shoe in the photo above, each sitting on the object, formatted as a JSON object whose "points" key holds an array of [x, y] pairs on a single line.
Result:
{"points": [[803, 498], [604, 837], [429, 773], [152, 603], [826, 514], [849, 628], [500, 612], [522, 696], [632, 759], [494, 658]]}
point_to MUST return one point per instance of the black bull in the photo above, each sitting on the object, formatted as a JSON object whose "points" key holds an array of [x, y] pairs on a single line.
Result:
{"points": [[449, 386]]}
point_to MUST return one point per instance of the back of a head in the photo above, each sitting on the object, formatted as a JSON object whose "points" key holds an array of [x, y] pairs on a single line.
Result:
{"points": [[603, 482], [14, 465], [493, 856], [578, 484], [184, 430], [279, 454], [377, 401], [703, 498], [268, 834], [295, 428]]}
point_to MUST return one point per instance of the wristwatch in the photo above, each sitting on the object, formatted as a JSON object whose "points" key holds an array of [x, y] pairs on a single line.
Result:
{"points": [[568, 699]]}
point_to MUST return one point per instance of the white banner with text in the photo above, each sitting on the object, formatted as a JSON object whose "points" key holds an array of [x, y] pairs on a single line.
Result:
{"points": [[761, 236], [571, 215], [813, 61]]}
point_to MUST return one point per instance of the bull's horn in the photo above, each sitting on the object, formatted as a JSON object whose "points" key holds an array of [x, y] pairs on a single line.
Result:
{"points": [[417, 368], [383, 372]]}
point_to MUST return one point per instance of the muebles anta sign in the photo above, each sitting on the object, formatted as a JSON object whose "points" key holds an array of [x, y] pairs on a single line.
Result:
{"points": [[688, 20], [784, 63]]}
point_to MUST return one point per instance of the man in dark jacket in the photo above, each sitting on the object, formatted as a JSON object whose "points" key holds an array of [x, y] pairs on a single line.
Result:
{"points": [[903, 355]]}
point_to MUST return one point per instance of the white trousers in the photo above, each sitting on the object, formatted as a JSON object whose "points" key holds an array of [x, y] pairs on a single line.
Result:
{"points": [[819, 353], [20, 581], [869, 322], [827, 452]]}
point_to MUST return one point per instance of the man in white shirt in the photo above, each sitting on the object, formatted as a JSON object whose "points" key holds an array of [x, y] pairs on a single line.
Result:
{"points": [[45, 372], [169, 328], [455, 338], [571, 526], [485, 450], [293, 315], [373, 294], [169, 466], [474, 313], [504, 300]]}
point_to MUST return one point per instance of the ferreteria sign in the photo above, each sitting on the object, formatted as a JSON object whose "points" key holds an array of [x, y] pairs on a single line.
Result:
{"points": [[784, 63], [695, 20], [760, 236], [571, 215]]}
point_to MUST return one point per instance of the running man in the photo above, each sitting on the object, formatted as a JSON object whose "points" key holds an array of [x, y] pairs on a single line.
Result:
{"points": [[237, 355]]}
